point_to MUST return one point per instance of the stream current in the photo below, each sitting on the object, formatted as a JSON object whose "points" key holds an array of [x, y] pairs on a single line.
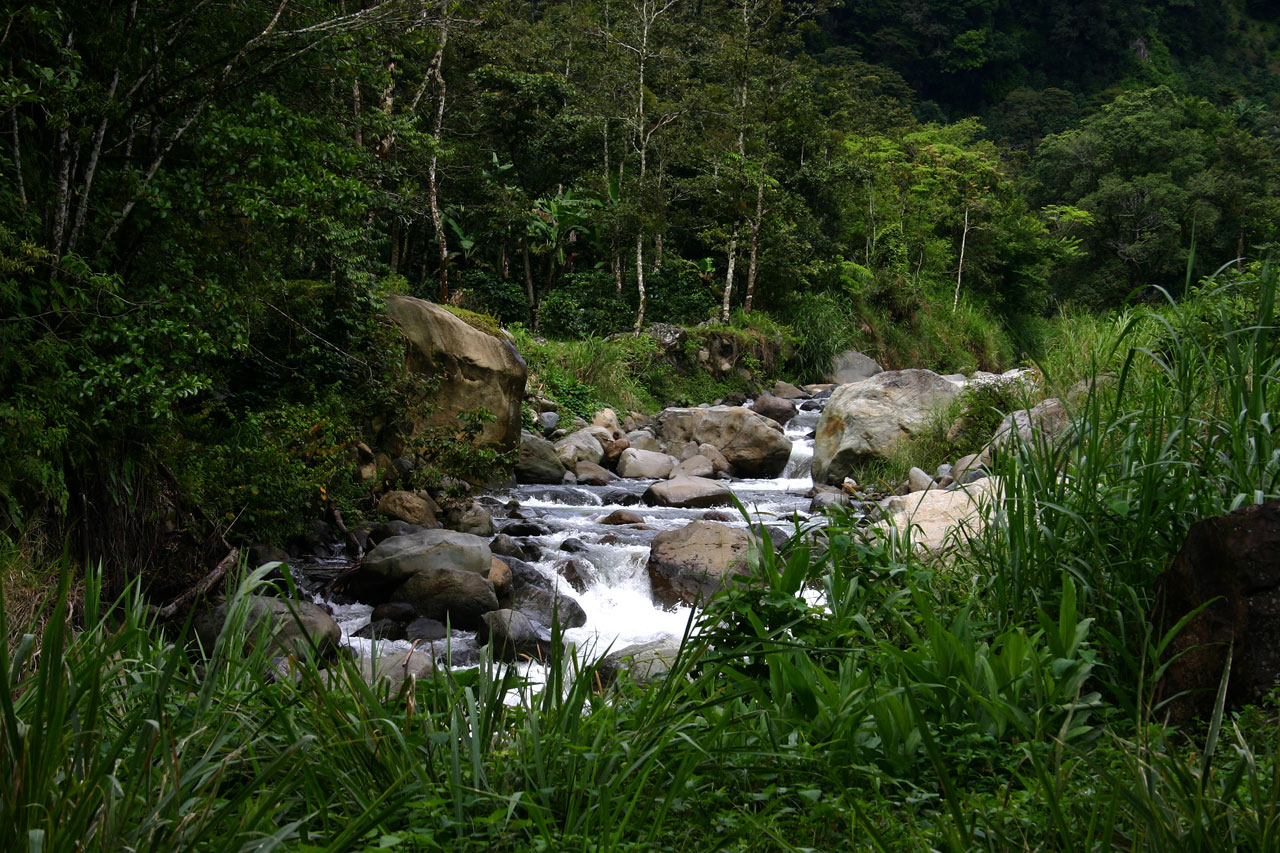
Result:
{"points": [[618, 602]]}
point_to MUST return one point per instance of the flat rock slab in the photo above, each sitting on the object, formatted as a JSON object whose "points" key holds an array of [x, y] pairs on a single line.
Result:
{"points": [[688, 492]]}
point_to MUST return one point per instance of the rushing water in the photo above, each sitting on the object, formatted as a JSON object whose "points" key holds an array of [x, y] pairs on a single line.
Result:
{"points": [[618, 603]]}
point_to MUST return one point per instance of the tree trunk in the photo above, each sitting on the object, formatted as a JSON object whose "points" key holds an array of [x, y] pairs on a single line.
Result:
{"points": [[433, 193], [755, 246], [640, 282], [728, 276], [964, 238], [395, 247], [528, 283], [355, 112], [617, 273]]}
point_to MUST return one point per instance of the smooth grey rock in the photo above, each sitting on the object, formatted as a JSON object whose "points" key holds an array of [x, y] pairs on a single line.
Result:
{"points": [[513, 635], [774, 408], [546, 607], [853, 366], [644, 663], [579, 446], [918, 480], [754, 445], [695, 466], [401, 557], [537, 461]]}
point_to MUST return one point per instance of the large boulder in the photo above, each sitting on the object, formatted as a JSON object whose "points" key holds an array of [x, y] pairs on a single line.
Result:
{"points": [[647, 464], [580, 446], [688, 492], [753, 444], [478, 370], [774, 408], [400, 557], [460, 597], [538, 462], [865, 420], [1035, 426], [853, 366], [290, 627], [937, 519], [1229, 565], [693, 563], [408, 507]]}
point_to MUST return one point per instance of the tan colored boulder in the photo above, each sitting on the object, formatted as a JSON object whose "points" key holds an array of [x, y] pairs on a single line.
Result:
{"points": [[864, 421], [590, 474], [644, 464], [936, 519], [406, 506], [479, 370], [787, 391], [695, 466], [754, 445], [693, 563], [499, 576], [688, 492], [608, 419]]}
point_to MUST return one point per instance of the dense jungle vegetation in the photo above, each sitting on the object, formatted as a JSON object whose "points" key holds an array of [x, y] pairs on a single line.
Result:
{"points": [[204, 205]]}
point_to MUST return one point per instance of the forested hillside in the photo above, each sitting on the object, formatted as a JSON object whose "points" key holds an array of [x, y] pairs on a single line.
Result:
{"points": [[204, 203]]}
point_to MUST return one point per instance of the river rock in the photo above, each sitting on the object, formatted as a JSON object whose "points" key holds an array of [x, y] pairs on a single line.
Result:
{"points": [[853, 366], [712, 453], [400, 557], [578, 572], [385, 530], [590, 474], [1035, 426], [688, 492], [395, 611], [458, 597], [504, 545], [613, 452], [787, 391], [865, 420], [512, 635], [537, 461], [382, 629], [409, 508], [644, 464], [753, 444], [1230, 566], [579, 446], [500, 577], [472, 519], [548, 421], [608, 420], [694, 562], [393, 669], [774, 408], [623, 516], [476, 370], [525, 574], [292, 627], [425, 630], [546, 607], [919, 480], [644, 663], [938, 520], [643, 439], [695, 466]]}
